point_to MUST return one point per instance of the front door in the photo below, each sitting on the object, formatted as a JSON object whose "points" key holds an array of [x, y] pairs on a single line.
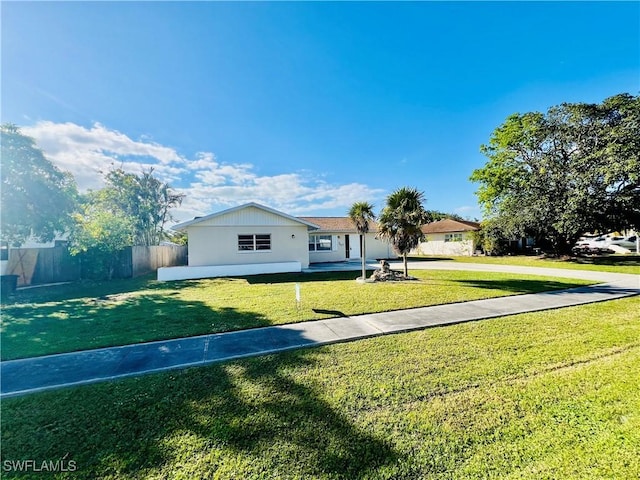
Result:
{"points": [[354, 246], [346, 247]]}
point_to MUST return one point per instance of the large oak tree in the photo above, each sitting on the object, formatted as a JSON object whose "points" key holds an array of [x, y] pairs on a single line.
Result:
{"points": [[571, 170]]}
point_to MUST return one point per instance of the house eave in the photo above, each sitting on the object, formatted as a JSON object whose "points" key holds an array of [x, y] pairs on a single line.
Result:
{"points": [[195, 221]]}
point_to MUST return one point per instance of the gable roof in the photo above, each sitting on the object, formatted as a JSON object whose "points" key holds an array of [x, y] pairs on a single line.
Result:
{"points": [[448, 225], [195, 221], [337, 224]]}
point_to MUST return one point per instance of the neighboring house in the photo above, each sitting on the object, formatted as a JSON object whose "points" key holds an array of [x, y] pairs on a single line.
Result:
{"points": [[252, 239], [448, 237]]}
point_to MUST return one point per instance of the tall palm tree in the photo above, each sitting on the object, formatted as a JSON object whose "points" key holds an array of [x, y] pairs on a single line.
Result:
{"points": [[401, 220], [362, 213]]}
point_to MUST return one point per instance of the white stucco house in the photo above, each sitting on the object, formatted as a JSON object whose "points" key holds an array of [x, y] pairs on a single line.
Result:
{"points": [[253, 239], [448, 237]]}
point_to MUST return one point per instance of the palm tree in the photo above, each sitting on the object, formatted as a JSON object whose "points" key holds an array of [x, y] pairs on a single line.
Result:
{"points": [[401, 220], [362, 213]]}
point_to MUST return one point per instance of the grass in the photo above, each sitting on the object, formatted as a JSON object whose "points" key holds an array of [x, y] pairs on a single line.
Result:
{"points": [[610, 263], [544, 395], [81, 316]]}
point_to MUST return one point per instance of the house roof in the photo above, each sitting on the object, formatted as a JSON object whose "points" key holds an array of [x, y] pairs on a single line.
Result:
{"points": [[196, 220], [448, 225], [337, 224]]}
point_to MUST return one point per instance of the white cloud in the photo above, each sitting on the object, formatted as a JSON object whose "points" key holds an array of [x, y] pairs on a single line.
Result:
{"points": [[85, 152], [469, 211], [208, 184], [209, 171], [467, 208]]}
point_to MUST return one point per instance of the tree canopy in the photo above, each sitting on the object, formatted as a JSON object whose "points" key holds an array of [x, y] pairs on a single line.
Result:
{"points": [[130, 210], [102, 233], [436, 215], [401, 220], [144, 199], [558, 175], [37, 198]]}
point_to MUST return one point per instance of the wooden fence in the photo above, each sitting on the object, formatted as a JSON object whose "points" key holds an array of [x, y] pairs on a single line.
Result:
{"points": [[36, 266], [149, 259]]}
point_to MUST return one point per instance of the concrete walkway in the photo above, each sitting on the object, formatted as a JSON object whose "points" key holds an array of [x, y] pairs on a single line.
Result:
{"points": [[31, 375]]}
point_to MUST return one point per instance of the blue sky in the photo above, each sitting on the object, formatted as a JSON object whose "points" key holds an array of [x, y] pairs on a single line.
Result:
{"points": [[304, 107]]}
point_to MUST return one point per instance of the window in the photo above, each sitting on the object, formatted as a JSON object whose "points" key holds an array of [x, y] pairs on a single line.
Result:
{"points": [[4, 251], [254, 242], [452, 237], [320, 243]]}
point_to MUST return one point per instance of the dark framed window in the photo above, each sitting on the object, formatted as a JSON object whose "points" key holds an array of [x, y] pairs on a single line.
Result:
{"points": [[254, 242], [453, 237], [320, 243]]}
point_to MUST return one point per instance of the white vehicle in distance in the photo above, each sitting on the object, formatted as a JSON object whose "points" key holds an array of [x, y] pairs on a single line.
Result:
{"points": [[590, 245], [628, 242], [604, 244]]}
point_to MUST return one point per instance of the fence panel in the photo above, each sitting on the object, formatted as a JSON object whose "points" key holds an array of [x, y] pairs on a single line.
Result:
{"points": [[149, 259], [55, 265], [37, 266], [124, 263]]}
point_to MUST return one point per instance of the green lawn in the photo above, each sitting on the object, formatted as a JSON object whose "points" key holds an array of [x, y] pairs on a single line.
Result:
{"points": [[610, 263], [97, 314], [547, 395]]}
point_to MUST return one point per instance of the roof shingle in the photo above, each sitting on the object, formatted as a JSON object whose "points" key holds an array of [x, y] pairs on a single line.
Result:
{"points": [[337, 224], [448, 225]]}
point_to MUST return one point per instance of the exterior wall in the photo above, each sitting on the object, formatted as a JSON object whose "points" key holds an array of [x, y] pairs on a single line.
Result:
{"points": [[247, 216], [214, 241], [187, 273], [435, 245], [218, 245], [375, 248]]}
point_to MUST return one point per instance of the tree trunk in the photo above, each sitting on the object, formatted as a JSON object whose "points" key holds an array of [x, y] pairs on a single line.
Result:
{"points": [[404, 262], [110, 268], [364, 259]]}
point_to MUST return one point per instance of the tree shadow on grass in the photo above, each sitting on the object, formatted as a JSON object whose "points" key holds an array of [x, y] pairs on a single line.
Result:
{"points": [[83, 288], [304, 277], [520, 285], [35, 329], [240, 419], [616, 260], [427, 259]]}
